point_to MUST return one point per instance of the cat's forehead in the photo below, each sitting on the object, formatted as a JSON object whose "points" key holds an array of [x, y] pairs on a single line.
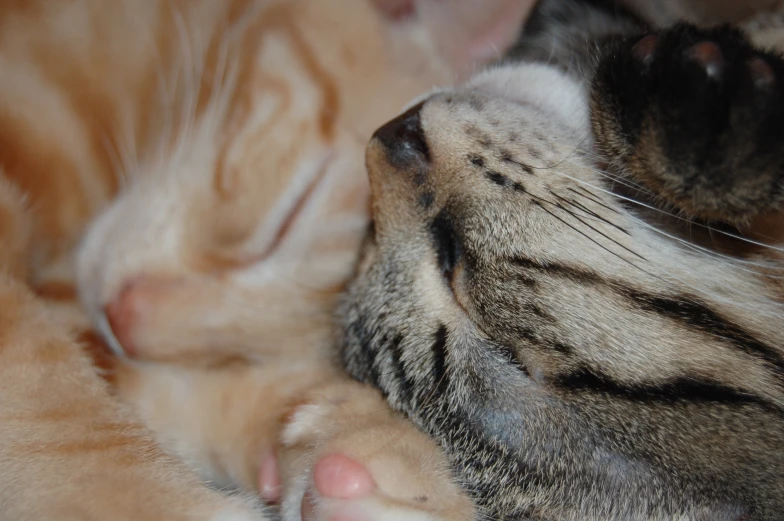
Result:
{"points": [[518, 114], [546, 89]]}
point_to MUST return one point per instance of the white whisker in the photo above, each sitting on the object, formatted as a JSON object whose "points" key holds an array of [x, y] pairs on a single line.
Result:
{"points": [[669, 214]]}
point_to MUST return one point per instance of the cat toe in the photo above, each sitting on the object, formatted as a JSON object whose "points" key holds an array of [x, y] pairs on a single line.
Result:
{"points": [[644, 51], [708, 57], [346, 456], [761, 73], [340, 477]]}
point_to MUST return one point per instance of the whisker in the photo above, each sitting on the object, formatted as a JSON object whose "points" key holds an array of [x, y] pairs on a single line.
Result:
{"points": [[591, 239], [601, 233], [589, 212], [539, 200], [591, 196], [654, 208]]}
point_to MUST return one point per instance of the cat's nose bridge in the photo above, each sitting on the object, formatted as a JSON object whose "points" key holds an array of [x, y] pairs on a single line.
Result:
{"points": [[404, 140]]}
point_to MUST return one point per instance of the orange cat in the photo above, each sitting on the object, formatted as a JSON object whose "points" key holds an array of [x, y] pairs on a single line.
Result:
{"points": [[67, 449], [205, 157]]}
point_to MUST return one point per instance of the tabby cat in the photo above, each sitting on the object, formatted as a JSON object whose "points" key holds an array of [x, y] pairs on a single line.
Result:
{"points": [[205, 159], [573, 277]]}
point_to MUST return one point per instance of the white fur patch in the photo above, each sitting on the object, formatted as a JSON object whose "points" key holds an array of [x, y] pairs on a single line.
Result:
{"points": [[540, 85], [305, 420]]}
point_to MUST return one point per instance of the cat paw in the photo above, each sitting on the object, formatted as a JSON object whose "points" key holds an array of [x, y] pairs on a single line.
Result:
{"points": [[696, 116], [347, 457]]}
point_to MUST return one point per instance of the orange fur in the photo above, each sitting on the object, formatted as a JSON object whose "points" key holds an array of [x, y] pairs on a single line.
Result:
{"points": [[67, 449], [192, 171]]}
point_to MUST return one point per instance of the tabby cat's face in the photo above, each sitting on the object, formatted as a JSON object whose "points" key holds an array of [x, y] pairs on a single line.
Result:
{"points": [[239, 227], [567, 351]]}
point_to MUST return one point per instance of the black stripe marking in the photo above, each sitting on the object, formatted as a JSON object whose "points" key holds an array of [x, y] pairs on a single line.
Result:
{"points": [[537, 341], [506, 157], [685, 309], [513, 357], [406, 387], [438, 371], [476, 160], [373, 372], [579, 275], [692, 313], [678, 390], [358, 360], [496, 177], [446, 243]]}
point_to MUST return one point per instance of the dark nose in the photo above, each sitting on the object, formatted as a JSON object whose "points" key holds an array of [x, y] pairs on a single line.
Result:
{"points": [[404, 139]]}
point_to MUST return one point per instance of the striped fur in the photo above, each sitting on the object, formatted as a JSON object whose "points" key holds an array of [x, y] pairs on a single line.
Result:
{"points": [[588, 335]]}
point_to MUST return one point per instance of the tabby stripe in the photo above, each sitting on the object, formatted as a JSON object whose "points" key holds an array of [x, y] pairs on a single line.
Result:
{"points": [[685, 309], [513, 355], [568, 272], [438, 371], [375, 374], [690, 312], [690, 390], [405, 387], [361, 362]]}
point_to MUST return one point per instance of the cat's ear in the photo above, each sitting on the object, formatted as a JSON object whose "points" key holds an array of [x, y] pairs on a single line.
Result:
{"points": [[466, 33]]}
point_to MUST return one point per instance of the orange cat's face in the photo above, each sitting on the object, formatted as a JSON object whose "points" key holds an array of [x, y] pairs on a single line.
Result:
{"points": [[240, 217]]}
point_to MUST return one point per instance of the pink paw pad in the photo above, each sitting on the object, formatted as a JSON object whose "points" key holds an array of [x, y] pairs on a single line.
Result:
{"points": [[340, 477]]}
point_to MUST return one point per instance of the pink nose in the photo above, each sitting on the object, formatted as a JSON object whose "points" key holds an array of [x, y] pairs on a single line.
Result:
{"points": [[123, 313], [133, 310]]}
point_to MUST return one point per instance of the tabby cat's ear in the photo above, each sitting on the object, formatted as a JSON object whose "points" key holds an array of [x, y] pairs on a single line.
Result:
{"points": [[466, 32]]}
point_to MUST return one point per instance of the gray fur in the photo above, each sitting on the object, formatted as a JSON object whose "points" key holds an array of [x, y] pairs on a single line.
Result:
{"points": [[575, 363]]}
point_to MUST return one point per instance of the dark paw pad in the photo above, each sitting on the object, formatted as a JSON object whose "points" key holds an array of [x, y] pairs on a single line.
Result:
{"points": [[697, 116], [644, 51], [708, 57], [761, 73]]}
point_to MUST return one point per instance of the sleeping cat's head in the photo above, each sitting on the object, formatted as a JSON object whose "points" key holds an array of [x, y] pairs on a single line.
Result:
{"points": [[578, 356], [241, 217]]}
